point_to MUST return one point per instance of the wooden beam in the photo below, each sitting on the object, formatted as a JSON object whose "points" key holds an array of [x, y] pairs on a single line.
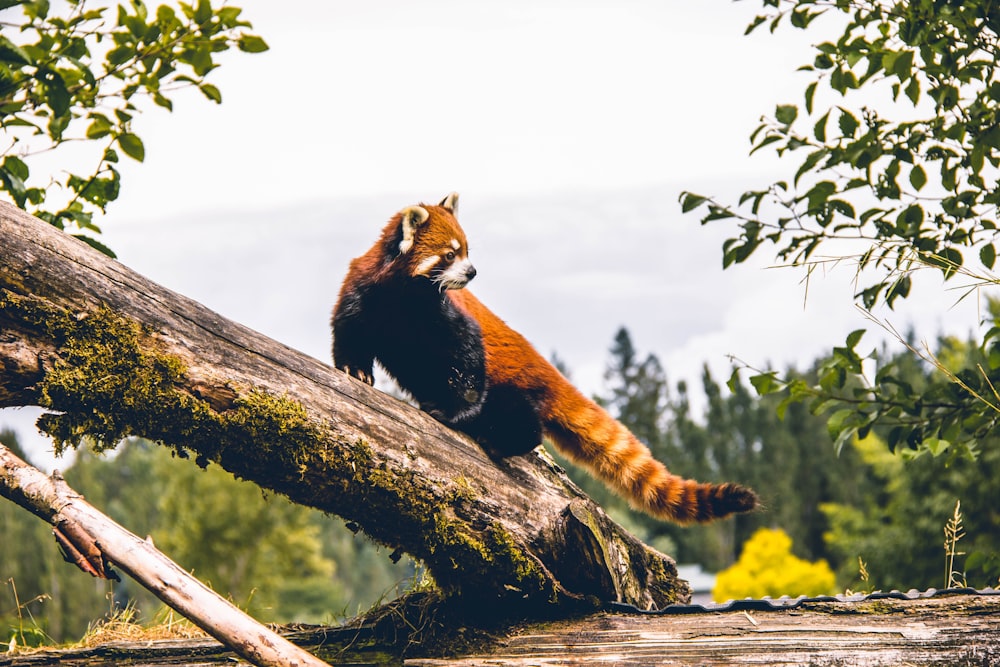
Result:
{"points": [[962, 630], [955, 630]]}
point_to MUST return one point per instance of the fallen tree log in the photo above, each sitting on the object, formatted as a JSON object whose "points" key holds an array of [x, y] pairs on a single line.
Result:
{"points": [[112, 354]]}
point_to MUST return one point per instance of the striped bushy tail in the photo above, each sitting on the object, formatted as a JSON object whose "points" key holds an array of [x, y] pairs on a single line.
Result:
{"points": [[589, 436]]}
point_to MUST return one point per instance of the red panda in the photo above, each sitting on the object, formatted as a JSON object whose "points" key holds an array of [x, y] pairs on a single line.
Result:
{"points": [[403, 304]]}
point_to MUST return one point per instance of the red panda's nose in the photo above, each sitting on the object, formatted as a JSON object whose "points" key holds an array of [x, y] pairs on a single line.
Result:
{"points": [[470, 272]]}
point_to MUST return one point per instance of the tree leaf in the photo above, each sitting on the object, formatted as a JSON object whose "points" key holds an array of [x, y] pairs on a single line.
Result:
{"points": [[918, 177], [754, 24], [165, 14], [819, 193], [16, 166], [203, 12], [132, 145], [949, 260], [842, 207], [99, 127], [211, 92], [902, 65], [766, 141], [819, 129], [765, 383], [12, 53], [848, 123], [936, 446], [691, 201], [823, 61], [252, 44], [912, 90], [836, 423], [988, 255], [57, 96], [163, 101], [786, 113], [854, 338], [809, 95], [734, 380]]}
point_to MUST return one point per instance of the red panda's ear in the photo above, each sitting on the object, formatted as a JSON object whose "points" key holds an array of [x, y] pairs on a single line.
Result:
{"points": [[451, 203], [410, 219]]}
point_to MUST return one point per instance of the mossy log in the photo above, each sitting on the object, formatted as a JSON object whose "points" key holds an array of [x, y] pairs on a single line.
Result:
{"points": [[111, 354]]}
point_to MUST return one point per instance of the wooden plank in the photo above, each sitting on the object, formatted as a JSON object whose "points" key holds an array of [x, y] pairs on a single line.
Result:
{"points": [[957, 631], [963, 630]]}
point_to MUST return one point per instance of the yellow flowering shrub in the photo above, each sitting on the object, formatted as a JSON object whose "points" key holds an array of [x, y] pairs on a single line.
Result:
{"points": [[767, 567]]}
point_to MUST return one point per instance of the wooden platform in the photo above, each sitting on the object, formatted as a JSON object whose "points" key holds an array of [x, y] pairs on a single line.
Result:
{"points": [[953, 631], [958, 631]]}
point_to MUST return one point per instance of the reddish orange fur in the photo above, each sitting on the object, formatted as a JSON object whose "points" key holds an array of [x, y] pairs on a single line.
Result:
{"points": [[580, 428], [436, 233], [589, 436]]}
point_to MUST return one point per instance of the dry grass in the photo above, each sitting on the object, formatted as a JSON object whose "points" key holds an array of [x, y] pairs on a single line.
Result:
{"points": [[122, 627]]}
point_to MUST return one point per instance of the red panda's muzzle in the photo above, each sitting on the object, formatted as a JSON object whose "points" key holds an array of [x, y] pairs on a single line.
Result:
{"points": [[457, 275]]}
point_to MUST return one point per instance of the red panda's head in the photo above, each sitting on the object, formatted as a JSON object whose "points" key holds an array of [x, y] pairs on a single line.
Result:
{"points": [[432, 244]]}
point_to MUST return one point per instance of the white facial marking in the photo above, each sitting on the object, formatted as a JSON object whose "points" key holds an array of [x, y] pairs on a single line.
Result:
{"points": [[455, 276], [425, 266], [455, 244]]}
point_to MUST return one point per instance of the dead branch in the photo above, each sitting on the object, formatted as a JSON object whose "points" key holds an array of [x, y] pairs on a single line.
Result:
{"points": [[103, 540]]}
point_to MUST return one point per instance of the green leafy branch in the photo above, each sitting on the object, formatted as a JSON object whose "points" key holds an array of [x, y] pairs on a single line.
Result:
{"points": [[79, 77], [950, 412], [926, 187], [910, 186]]}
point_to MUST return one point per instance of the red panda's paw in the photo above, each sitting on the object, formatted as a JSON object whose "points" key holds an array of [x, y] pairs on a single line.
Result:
{"points": [[359, 373]]}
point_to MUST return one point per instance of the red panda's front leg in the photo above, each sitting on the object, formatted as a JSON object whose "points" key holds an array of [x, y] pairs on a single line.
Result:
{"points": [[359, 373], [356, 365], [352, 352]]}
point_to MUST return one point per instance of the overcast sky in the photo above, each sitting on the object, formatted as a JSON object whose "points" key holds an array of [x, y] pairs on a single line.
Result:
{"points": [[360, 98], [569, 128]]}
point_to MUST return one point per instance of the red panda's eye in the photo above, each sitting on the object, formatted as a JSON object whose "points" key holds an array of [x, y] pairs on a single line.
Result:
{"points": [[449, 256]]}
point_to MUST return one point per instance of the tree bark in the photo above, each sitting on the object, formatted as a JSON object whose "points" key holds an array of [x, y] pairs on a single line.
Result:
{"points": [[52, 500], [112, 354]]}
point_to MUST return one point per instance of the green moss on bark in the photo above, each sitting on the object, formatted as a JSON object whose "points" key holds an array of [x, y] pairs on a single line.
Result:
{"points": [[110, 379], [407, 512], [108, 385]]}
